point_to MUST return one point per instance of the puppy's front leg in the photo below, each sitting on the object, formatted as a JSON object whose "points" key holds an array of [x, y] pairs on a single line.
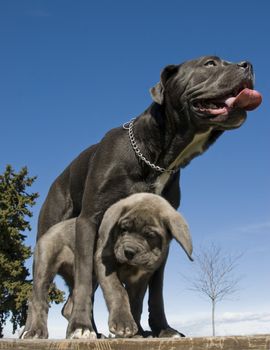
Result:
{"points": [[121, 322]]}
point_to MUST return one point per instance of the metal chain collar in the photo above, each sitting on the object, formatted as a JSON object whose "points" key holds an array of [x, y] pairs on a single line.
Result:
{"points": [[129, 126]]}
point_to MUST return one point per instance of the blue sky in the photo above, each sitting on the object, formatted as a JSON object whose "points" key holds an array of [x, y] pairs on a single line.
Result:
{"points": [[72, 70]]}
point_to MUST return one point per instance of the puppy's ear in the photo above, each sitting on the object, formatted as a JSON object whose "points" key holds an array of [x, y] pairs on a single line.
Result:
{"points": [[180, 231], [157, 91], [110, 219]]}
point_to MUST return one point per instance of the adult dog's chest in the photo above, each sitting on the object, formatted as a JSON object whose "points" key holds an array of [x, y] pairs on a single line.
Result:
{"points": [[132, 274], [195, 147]]}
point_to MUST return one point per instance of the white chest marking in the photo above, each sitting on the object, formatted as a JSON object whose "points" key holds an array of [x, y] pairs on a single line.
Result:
{"points": [[194, 147]]}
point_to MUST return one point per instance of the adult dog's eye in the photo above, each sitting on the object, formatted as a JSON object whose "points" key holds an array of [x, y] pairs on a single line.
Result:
{"points": [[210, 63]]}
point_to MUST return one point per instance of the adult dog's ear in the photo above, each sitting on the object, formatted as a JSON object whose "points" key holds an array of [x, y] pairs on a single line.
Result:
{"points": [[157, 91], [179, 230]]}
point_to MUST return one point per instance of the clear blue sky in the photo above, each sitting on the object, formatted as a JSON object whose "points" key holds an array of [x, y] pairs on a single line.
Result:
{"points": [[71, 70]]}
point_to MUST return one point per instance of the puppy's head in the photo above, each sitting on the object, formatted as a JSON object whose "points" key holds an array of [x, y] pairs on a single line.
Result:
{"points": [[141, 238], [142, 226]]}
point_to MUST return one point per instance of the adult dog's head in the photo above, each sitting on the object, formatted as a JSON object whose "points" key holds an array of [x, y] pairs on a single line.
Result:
{"points": [[140, 228], [209, 91]]}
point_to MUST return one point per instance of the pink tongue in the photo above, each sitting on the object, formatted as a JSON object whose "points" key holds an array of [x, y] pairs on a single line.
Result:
{"points": [[247, 99]]}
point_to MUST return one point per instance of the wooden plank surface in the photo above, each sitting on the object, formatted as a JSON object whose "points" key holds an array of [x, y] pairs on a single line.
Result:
{"points": [[258, 342]]}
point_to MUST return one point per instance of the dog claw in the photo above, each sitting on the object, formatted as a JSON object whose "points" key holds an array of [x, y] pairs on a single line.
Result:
{"points": [[23, 335], [128, 331], [83, 334], [176, 336], [170, 333], [112, 329], [123, 332], [33, 335]]}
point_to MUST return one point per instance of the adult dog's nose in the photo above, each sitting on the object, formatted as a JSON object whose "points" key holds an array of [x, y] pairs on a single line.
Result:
{"points": [[246, 66], [129, 253]]}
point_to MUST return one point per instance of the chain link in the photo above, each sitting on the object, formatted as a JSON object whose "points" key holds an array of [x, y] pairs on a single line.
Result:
{"points": [[129, 126]]}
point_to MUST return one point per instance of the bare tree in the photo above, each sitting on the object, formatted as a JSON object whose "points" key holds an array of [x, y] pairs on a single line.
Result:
{"points": [[214, 276]]}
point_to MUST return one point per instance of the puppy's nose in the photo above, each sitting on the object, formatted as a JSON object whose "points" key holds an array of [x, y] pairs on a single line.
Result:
{"points": [[129, 254]]}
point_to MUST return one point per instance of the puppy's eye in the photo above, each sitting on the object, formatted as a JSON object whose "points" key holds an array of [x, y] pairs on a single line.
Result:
{"points": [[125, 225], [151, 234], [154, 239], [210, 63]]}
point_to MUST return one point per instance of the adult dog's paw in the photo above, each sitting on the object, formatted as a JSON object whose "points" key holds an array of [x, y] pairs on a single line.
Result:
{"points": [[81, 333], [122, 324], [170, 333], [80, 327]]}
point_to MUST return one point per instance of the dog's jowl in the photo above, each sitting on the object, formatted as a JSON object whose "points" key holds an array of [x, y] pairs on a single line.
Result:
{"points": [[193, 104]]}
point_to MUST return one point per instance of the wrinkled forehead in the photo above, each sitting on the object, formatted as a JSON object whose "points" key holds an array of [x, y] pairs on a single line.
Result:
{"points": [[193, 72], [202, 60], [139, 219]]}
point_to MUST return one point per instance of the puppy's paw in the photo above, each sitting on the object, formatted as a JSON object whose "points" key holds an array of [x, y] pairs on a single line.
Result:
{"points": [[35, 333], [170, 333], [81, 333], [122, 324]]}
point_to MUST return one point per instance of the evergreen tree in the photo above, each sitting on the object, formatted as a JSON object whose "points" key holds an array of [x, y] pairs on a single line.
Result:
{"points": [[15, 286]]}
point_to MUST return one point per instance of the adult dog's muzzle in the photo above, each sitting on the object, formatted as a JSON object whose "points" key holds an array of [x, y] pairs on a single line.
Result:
{"points": [[236, 96], [211, 91]]}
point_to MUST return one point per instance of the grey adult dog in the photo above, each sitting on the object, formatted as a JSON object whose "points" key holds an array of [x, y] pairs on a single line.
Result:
{"points": [[194, 103], [133, 242]]}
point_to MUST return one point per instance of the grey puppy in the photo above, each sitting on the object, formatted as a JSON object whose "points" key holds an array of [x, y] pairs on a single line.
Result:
{"points": [[133, 242]]}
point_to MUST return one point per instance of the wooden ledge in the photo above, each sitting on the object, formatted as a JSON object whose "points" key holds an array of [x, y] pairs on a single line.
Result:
{"points": [[258, 342]]}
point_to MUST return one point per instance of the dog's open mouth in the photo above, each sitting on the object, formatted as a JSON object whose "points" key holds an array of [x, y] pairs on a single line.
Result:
{"points": [[243, 98]]}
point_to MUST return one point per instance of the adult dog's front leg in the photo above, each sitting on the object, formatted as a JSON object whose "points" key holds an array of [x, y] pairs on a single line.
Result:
{"points": [[157, 319], [80, 325]]}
